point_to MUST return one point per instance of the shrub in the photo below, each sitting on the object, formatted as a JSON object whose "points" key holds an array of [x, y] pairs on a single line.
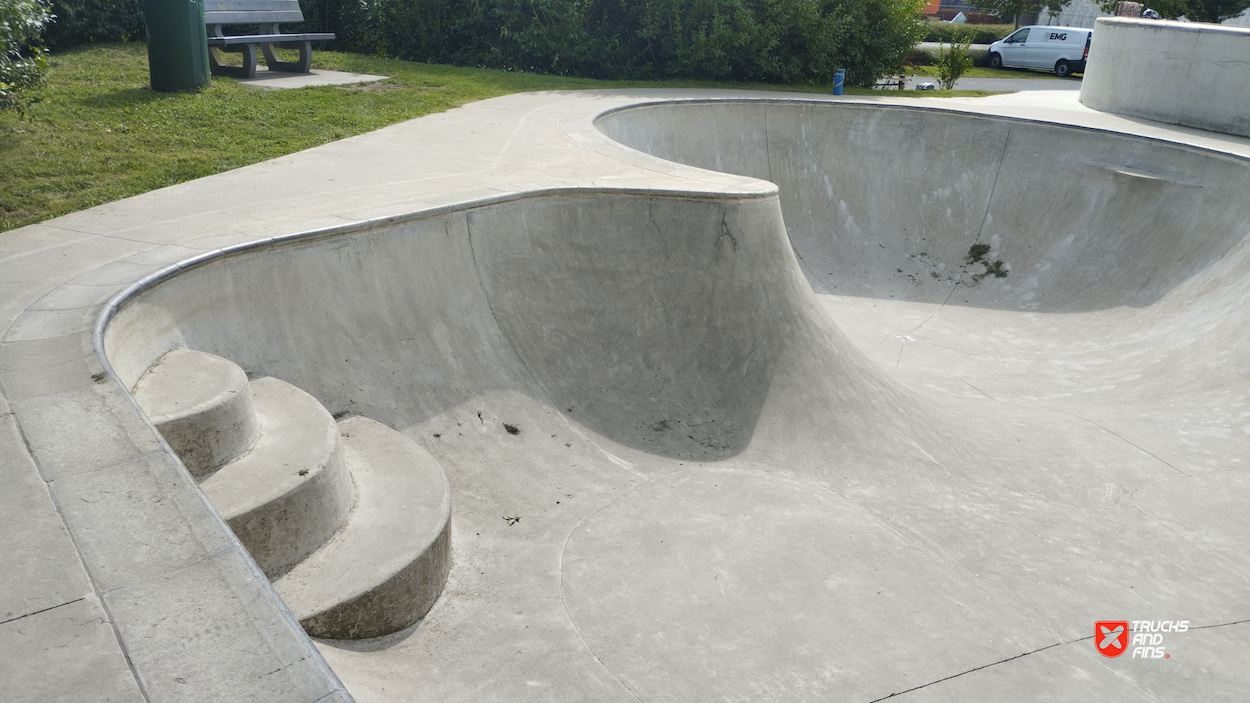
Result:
{"points": [[929, 57], [980, 33], [23, 58], [953, 62], [87, 21]]}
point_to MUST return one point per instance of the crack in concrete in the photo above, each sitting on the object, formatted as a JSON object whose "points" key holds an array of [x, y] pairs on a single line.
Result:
{"points": [[68, 602], [724, 229], [969, 671], [1129, 442], [282, 668], [989, 203], [1025, 654]]}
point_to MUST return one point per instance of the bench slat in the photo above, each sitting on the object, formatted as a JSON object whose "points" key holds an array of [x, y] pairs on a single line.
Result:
{"points": [[267, 39], [251, 11], [252, 17], [251, 6]]}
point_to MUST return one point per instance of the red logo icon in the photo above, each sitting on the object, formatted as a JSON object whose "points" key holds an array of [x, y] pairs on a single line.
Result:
{"points": [[1111, 637]]}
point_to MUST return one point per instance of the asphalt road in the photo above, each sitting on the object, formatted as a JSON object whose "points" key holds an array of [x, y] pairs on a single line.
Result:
{"points": [[1002, 83]]}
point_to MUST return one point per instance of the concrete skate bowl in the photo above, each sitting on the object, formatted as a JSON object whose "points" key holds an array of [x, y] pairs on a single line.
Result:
{"points": [[690, 456], [1082, 220], [605, 307], [1067, 264]]}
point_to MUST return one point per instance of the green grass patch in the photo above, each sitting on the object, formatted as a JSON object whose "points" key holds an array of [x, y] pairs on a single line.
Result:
{"points": [[985, 72], [98, 133]]}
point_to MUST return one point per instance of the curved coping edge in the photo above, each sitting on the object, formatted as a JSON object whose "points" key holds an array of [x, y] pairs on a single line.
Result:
{"points": [[1210, 151], [130, 292], [1174, 26]]}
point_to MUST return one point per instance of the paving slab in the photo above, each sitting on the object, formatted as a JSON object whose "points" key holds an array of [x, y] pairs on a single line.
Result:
{"points": [[69, 653], [214, 611], [42, 569]]}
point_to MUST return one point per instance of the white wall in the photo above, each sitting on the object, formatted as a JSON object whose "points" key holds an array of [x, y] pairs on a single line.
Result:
{"points": [[1197, 75]]}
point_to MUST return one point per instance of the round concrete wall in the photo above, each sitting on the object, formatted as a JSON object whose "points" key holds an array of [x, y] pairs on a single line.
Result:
{"points": [[889, 203], [588, 300], [1195, 75]]}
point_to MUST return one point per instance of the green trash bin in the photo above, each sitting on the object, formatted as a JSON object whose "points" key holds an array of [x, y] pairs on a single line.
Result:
{"points": [[177, 44]]}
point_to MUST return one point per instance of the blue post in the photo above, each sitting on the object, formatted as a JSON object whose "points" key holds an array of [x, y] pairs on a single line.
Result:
{"points": [[839, 76]]}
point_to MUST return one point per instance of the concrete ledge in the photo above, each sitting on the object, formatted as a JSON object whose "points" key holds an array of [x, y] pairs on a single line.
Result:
{"points": [[1196, 75]]}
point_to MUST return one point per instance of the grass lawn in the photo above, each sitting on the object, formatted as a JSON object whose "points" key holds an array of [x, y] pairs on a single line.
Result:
{"points": [[98, 133]]}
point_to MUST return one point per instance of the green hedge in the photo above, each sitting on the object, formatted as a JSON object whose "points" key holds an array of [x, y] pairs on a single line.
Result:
{"points": [[981, 33], [752, 40], [90, 21], [779, 41], [930, 57]]}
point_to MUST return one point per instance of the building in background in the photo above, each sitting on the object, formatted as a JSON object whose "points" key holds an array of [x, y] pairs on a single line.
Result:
{"points": [[946, 10], [1082, 13]]}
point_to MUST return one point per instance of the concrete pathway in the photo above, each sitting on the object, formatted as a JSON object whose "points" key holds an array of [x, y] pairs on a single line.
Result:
{"points": [[945, 46], [281, 80], [816, 399]]}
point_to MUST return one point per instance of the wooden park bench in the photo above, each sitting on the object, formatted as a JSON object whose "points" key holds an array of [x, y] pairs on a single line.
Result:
{"points": [[268, 14]]}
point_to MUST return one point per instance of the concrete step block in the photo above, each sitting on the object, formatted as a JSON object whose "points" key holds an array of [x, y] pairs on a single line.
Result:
{"points": [[292, 491], [201, 405], [388, 565]]}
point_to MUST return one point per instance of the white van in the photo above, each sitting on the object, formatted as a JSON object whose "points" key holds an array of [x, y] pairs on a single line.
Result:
{"points": [[1059, 49]]}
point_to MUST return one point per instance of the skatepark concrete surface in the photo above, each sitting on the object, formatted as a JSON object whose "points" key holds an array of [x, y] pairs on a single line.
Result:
{"points": [[814, 399]]}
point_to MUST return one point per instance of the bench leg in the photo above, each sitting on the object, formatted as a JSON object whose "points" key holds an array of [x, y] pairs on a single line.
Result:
{"points": [[303, 65], [247, 70]]}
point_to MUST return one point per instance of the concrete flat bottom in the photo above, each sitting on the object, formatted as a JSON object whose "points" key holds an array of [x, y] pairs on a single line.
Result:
{"points": [[739, 396], [282, 80]]}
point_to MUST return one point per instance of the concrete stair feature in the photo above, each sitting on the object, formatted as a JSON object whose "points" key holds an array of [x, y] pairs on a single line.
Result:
{"points": [[350, 520], [292, 491], [388, 565], [201, 405]]}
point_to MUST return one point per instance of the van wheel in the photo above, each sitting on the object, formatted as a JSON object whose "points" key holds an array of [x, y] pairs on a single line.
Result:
{"points": [[995, 61], [1063, 69]]}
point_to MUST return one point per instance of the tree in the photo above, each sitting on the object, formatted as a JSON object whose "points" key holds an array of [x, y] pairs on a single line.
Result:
{"points": [[1213, 11], [23, 58], [1006, 9], [1170, 9], [1012, 9]]}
